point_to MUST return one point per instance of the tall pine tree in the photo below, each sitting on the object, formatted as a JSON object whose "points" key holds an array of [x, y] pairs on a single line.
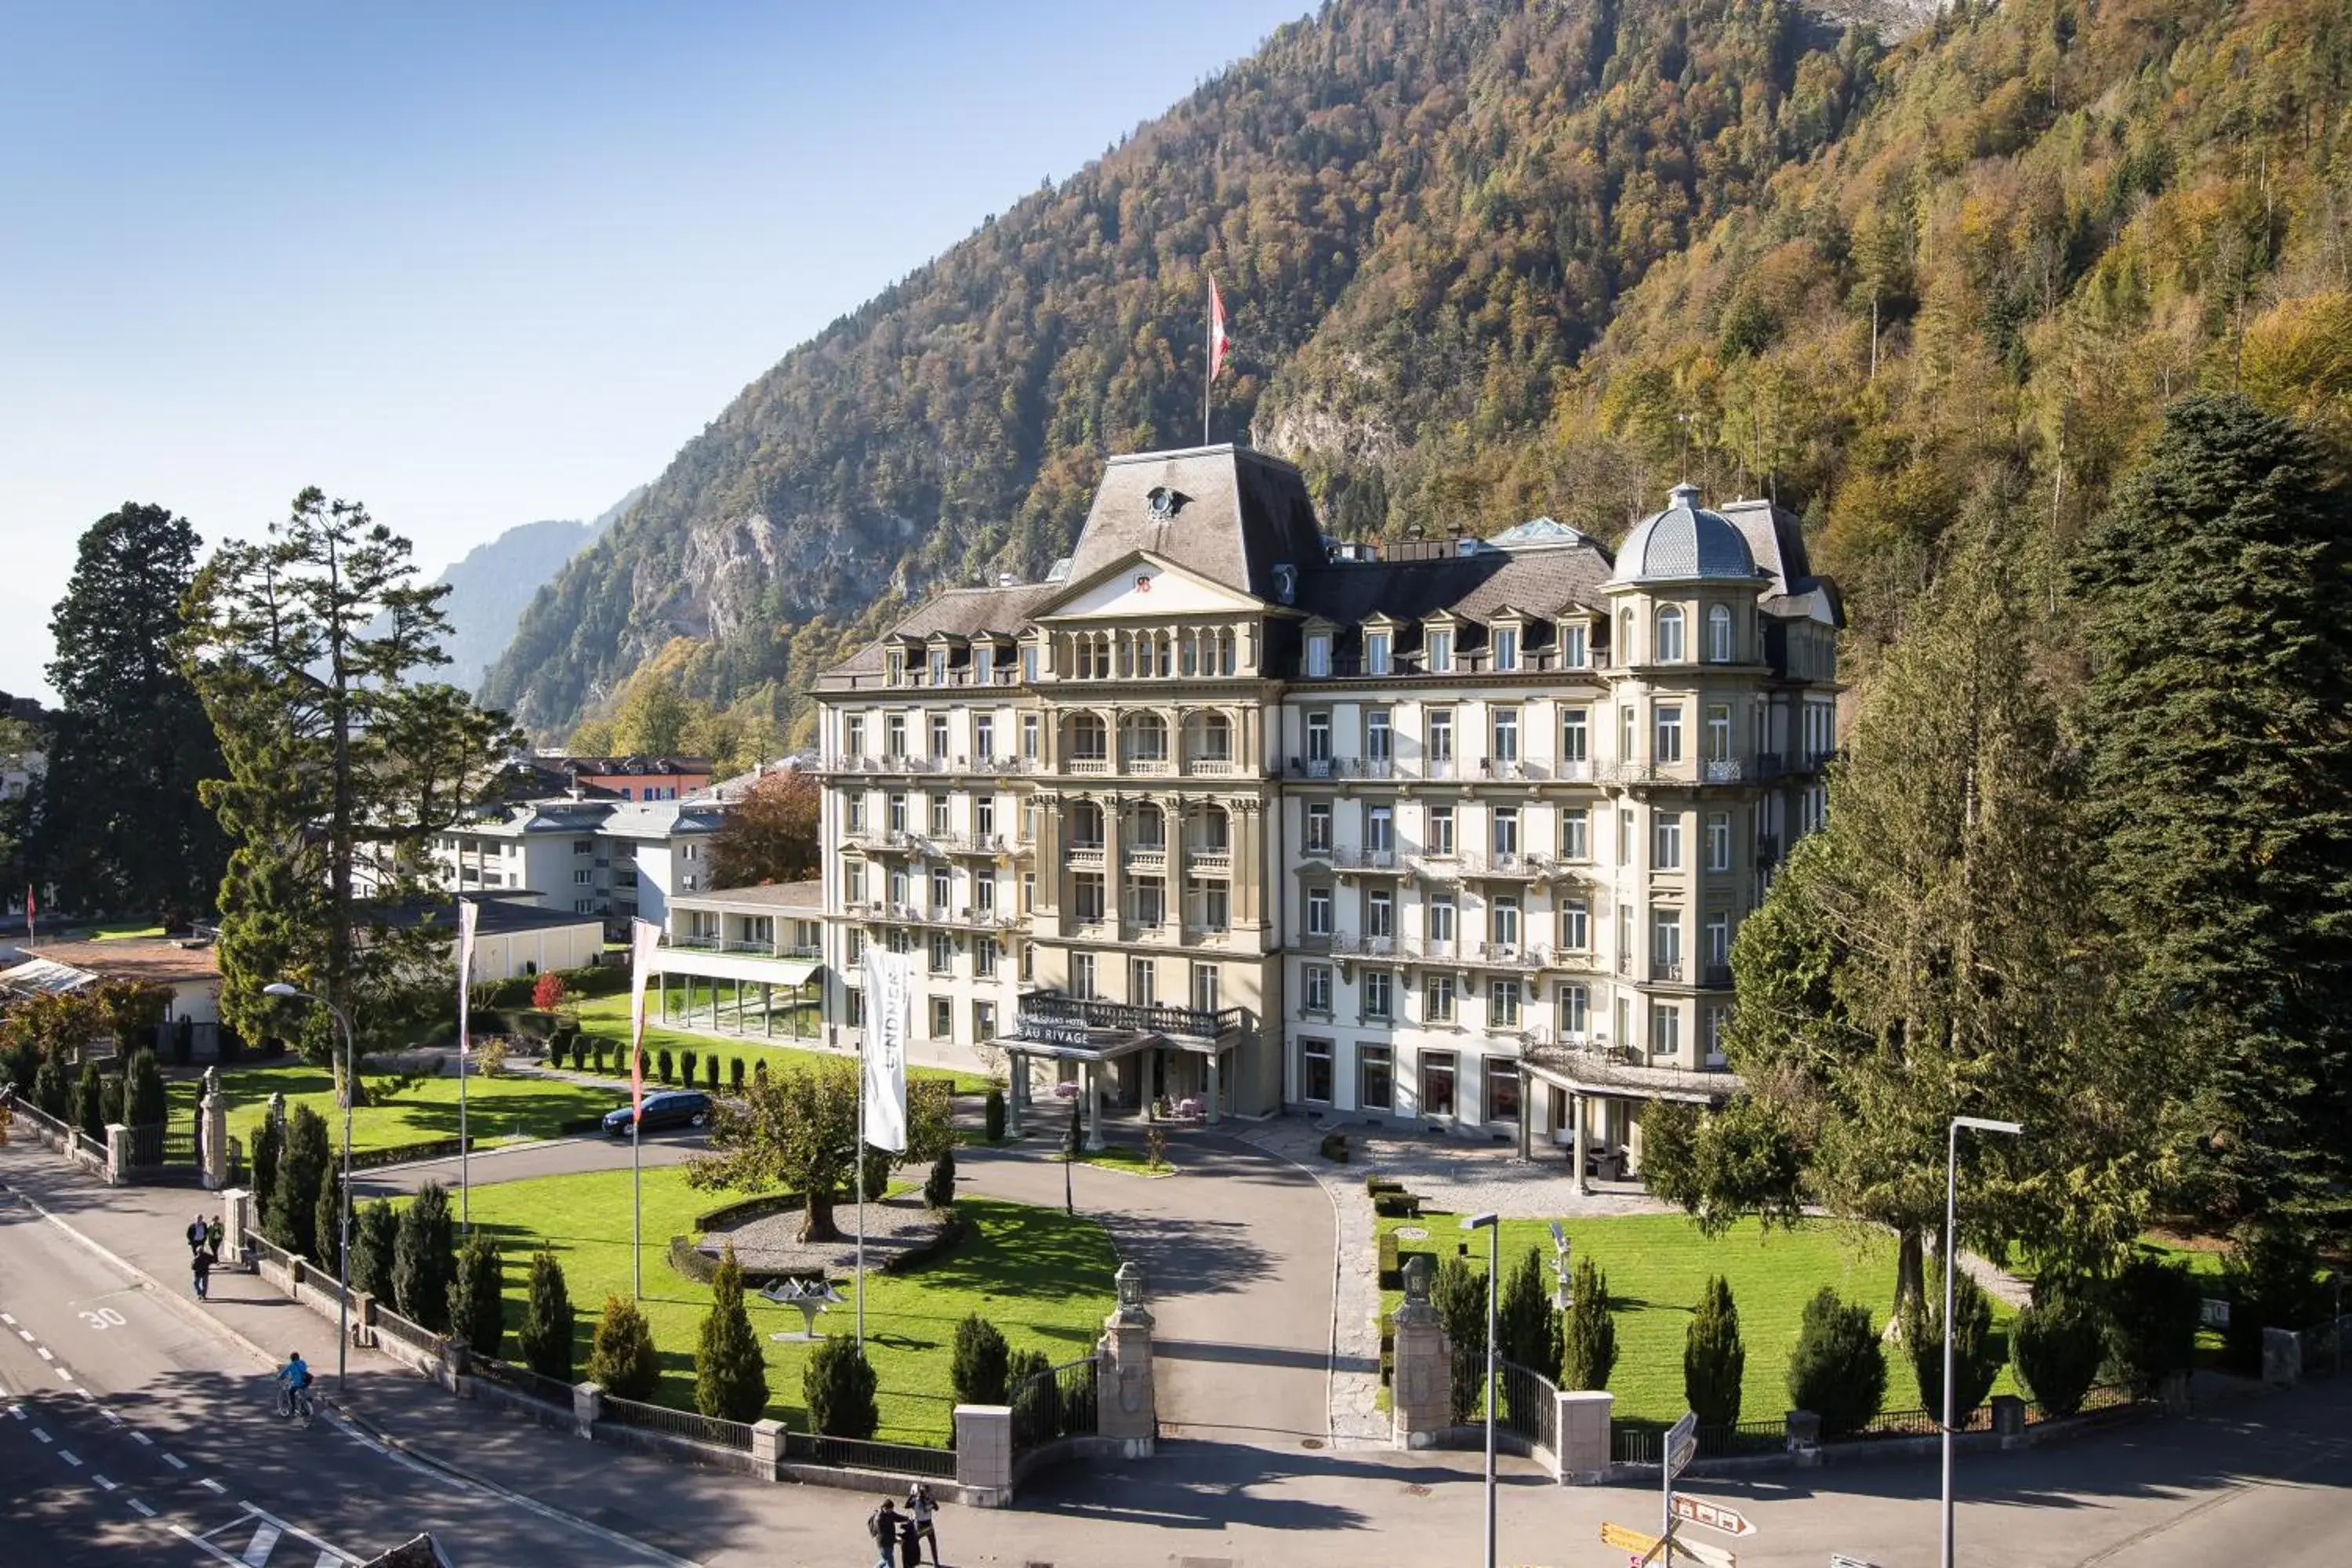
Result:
{"points": [[118, 824], [2214, 593]]}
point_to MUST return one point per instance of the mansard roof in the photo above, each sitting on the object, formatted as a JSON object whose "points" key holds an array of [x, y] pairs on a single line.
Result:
{"points": [[1227, 514]]}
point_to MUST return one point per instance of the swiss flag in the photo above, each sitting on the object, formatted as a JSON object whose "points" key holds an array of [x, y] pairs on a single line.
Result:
{"points": [[1219, 345]]}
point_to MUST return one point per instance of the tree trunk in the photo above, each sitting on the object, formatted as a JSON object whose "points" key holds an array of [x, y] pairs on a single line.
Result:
{"points": [[1910, 1268], [816, 1218]]}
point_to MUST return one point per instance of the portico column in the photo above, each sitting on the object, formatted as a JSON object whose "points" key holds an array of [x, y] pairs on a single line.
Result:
{"points": [[1215, 1061], [1016, 1091], [1147, 1079], [1576, 1140], [1094, 1105]]}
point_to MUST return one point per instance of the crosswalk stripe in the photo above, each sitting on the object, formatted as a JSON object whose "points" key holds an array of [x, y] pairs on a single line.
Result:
{"points": [[265, 1541], [103, 1484], [71, 1457], [142, 1508], [329, 1560], [43, 1435], [211, 1484], [176, 1462]]}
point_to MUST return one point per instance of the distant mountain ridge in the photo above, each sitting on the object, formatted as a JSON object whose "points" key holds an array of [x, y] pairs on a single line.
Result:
{"points": [[492, 585]]}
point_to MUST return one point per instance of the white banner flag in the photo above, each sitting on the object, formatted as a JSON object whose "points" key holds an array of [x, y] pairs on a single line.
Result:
{"points": [[889, 1002], [644, 941], [468, 913]]}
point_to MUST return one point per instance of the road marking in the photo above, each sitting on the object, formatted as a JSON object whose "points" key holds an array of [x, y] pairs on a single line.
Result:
{"points": [[142, 1508], [17, 1411], [7, 1319], [103, 1484], [176, 1462], [44, 1352], [65, 1373], [141, 1439], [211, 1485], [265, 1540], [42, 1434], [85, 1391], [26, 1335], [71, 1457], [111, 1417]]}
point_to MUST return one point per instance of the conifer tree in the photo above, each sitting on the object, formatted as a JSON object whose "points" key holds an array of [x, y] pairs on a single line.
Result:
{"points": [[621, 1359], [2057, 1345], [1713, 1360], [89, 1102], [1523, 1318], [268, 1144], [1459, 1294], [731, 1379], [375, 1240], [425, 1259], [2220, 807], [1976, 1354], [1838, 1369], [980, 1368], [837, 1384], [149, 1102], [327, 1217], [478, 1303], [545, 1336], [301, 1169], [1589, 1351]]}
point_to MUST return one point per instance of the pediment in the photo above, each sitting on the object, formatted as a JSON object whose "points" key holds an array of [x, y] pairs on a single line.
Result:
{"points": [[1143, 584]]}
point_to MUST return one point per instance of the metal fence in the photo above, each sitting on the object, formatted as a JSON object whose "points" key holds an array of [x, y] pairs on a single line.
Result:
{"points": [[147, 1146], [868, 1454], [1531, 1405], [688, 1423], [523, 1380], [1642, 1445], [177, 1146], [1057, 1402]]}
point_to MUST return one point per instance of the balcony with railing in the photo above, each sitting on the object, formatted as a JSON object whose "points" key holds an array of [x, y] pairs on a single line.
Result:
{"points": [[1084, 857], [1435, 866], [1051, 1010], [1593, 1060], [1342, 769], [1510, 955], [1209, 858], [1355, 944], [1214, 768], [1347, 858], [1505, 865], [1152, 855], [691, 943], [1666, 971], [1715, 975]]}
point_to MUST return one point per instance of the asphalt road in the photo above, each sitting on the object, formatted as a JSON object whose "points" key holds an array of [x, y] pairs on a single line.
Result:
{"points": [[133, 1435]]}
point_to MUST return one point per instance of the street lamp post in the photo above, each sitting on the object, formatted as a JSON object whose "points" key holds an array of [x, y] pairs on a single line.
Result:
{"points": [[343, 1242], [1489, 1224], [1951, 1216]]}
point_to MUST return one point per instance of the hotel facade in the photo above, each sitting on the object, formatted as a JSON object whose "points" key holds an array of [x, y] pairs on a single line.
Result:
{"points": [[1227, 819]]}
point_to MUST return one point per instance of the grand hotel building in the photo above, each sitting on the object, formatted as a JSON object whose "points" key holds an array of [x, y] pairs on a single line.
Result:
{"points": [[1230, 818]]}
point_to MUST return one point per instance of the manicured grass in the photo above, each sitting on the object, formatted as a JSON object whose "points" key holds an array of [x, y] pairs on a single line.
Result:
{"points": [[1123, 1157], [124, 933], [1657, 1264], [497, 1110], [1042, 1277], [609, 1016]]}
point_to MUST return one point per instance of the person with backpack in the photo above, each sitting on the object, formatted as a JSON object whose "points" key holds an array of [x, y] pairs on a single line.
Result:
{"points": [[883, 1525], [199, 1264], [922, 1507]]}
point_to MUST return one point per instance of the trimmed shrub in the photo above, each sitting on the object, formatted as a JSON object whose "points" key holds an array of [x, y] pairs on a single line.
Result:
{"points": [[1392, 1262], [982, 1363], [837, 1386], [667, 1065], [548, 991], [425, 1259], [1976, 1354], [992, 1114], [268, 1144], [686, 1064], [545, 1336], [1838, 1369], [149, 1104], [731, 1380], [51, 1091], [302, 1166], [326, 1221], [938, 1187], [1713, 1360], [1459, 1294], [735, 1074], [23, 1062], [2271, 1280], [375, 1241], [1523, 1316], [477, 1301], [89, 1102], [1019, 1368], [2057, 1346], [1334, 1148], [710, 1074], [622, 1361], [1589, 1336], [2151, 1309]]}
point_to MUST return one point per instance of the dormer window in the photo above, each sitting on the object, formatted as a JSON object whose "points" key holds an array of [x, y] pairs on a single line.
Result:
{"points": [[1029, 661], [1719, 635], [894, 667], [1319, 655], [938, 667], [1506, 648], [1437, 650], [983, 663], [1376, 653], [1669, 649], [1574, 651]]}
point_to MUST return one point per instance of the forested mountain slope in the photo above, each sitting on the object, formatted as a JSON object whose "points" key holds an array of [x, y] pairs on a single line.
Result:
{"points": [[1490, 259]]}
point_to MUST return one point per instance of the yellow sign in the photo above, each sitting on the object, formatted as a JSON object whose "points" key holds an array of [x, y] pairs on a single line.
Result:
{"points": [[1629, 1539]]}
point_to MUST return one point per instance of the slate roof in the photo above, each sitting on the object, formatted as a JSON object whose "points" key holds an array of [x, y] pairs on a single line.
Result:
{"points": [[960, 611], [158, 961], [809, 895], [1237, 514], [1684, 542], [1541, 581]]}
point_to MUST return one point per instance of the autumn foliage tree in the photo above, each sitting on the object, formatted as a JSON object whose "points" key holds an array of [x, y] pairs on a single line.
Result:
{"points": [[770, 835], [796, 1130]]}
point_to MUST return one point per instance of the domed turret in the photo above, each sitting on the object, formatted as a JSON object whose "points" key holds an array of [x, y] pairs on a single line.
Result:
{"points": [[1682, 543]]}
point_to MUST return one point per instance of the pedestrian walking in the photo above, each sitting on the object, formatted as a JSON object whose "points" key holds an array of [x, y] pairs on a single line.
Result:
{"points": [[214, 1233], [883, 1525], [922, 1507], [199, 1264], [195, 1233]]}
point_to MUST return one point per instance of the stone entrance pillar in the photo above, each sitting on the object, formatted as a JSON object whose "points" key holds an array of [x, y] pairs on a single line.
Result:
{"points": [[1126, 1397], [236, 1218], [213, 1138], [1422, 1400], [1016, 1091]]}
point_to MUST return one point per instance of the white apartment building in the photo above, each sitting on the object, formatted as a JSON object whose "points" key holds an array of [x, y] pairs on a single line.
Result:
{"points": [[614, 859], [1224, 814]]}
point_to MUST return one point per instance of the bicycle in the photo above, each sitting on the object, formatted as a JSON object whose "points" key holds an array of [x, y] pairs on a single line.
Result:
{"points": [[294, 1404]]}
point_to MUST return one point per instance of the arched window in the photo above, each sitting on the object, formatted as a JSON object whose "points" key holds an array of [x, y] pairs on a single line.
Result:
{"points": [[1625, 638], [1214, 830], [1718, 634], [1086, 824], [1670, 636], [1089, 742], [1145, 738], [1216, 738], [1151, 827]]}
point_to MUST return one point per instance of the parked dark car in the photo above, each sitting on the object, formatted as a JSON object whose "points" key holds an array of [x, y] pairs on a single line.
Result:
{"points": [[671, 1108]]}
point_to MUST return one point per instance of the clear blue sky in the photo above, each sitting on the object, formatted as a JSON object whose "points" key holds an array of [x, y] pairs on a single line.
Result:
{"points": [[476, 265]]}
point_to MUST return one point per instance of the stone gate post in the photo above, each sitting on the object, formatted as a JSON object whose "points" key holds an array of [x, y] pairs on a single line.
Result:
{"points": [[1422, 1400], [1127, 1399]]}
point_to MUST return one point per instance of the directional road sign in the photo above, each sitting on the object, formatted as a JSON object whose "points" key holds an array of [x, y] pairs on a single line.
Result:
{"points": [[1713, 1515], [1682, 1444], [1627, 1539], [1839, 1560]]}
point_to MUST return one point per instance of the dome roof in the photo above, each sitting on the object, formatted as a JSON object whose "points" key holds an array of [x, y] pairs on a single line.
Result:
{"points": [[1683, 542]]}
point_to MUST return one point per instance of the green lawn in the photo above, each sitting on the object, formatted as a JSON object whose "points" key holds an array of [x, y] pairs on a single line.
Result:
{"points": [[1657, 1264], [124, 932], [1040, 1276], [1125, 1157], [497, 1110], [609, 1016]]}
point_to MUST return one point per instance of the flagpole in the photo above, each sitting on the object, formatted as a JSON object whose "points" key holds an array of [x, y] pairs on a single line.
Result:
{"points": [[1209, 362], [857, 1153]]}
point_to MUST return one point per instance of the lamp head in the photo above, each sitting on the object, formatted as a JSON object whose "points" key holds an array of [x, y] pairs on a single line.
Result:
{"points": [[1986, 1124], [1479, 1221], [279, 988]]}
